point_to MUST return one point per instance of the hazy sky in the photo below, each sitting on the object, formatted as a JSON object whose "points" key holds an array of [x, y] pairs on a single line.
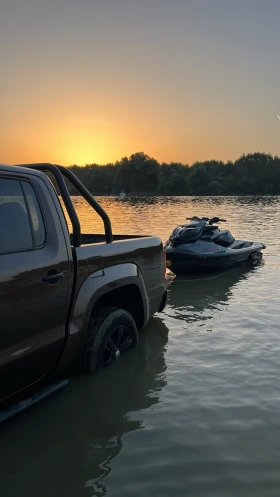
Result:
{"points": [[182, 80]]}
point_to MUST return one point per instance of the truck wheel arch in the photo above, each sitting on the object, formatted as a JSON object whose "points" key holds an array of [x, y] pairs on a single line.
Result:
{"points": [[127, 292]]}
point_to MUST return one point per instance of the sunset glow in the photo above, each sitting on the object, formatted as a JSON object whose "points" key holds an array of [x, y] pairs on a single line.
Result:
{"points": [[95, 81]]}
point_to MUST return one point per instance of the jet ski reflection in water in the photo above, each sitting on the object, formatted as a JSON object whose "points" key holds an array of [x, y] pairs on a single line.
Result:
{"points": [[201, 245], [209, 290]]}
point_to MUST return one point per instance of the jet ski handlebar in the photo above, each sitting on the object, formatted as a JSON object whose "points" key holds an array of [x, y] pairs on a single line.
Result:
{"points": [[205, 219], [195, 218], [217, 220]]}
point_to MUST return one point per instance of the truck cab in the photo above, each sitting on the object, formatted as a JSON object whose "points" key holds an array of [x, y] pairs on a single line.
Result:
{"points": [[69, 301]]}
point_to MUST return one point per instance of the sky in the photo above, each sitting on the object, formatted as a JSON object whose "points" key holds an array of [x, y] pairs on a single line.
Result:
{"points": [[181, 80]]}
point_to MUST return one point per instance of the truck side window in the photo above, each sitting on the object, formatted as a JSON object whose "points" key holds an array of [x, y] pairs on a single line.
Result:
{"points": [[35, 214], [16, 232]]}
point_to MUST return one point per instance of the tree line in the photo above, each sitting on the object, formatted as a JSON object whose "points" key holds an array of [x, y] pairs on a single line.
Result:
{"points": [[251, 174]]}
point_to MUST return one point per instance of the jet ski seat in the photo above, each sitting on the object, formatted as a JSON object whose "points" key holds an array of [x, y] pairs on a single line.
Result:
{"points": [[210, 227]]}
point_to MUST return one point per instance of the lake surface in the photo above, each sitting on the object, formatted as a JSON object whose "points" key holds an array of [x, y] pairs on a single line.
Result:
{"points": [[195, 410]]}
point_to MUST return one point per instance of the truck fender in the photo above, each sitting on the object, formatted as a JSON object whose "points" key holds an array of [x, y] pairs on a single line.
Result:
{"points": [[99, 284], [94, 287]]}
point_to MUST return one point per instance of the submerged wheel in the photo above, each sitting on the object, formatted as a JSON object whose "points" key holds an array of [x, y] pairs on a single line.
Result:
{"points": [[111, 332]]}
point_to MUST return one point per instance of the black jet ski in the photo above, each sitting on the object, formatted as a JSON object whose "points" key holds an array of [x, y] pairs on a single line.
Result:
{"points": [[202, 245]]}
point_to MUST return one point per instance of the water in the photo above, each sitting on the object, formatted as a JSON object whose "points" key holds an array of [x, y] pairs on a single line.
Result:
{"points": [[194, 411]]}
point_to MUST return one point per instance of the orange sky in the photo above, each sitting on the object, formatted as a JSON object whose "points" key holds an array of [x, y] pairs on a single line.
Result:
{"points": [[93, 81]]}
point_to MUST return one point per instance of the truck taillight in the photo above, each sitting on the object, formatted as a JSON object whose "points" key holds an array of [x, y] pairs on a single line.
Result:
{"points": [[164, 265]]}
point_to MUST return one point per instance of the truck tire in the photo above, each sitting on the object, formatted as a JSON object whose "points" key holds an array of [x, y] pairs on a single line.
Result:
{"points": [[111, 332]]}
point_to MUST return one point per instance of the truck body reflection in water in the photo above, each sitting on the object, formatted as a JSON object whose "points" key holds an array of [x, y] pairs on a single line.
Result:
{"points": [[70, 441]]}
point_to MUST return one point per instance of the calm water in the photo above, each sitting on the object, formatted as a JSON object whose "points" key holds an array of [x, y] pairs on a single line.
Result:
{"points": [[195, 410]]}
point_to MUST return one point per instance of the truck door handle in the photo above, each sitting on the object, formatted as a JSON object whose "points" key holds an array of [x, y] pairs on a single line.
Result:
{"points": [[52, 277]]}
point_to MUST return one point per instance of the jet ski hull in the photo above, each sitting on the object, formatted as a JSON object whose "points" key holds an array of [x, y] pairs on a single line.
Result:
{"points": [[203, 256]]}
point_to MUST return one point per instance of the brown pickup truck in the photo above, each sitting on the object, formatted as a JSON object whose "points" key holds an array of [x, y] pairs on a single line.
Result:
{"points": [[69, 301]]}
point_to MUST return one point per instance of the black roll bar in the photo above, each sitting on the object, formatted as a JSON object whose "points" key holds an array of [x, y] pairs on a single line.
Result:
{"points": [[91, 200], [59, 173]]}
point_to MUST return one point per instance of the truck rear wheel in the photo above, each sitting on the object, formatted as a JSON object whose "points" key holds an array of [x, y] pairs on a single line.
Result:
{"points": [[111, 332]]}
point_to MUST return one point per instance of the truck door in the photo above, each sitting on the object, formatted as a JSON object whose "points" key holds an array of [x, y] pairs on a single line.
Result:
{"points": [[34, 283]]}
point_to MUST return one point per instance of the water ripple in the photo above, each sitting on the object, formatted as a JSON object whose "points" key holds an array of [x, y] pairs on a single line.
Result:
{"points": [[194, 411]]}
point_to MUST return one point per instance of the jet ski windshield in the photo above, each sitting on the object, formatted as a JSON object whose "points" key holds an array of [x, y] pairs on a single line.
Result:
{"points": [[188, 233]]}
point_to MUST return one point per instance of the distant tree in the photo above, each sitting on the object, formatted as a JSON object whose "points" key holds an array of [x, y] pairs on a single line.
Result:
{"points": [[199, 180], [216, 188], [173, 179]]}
